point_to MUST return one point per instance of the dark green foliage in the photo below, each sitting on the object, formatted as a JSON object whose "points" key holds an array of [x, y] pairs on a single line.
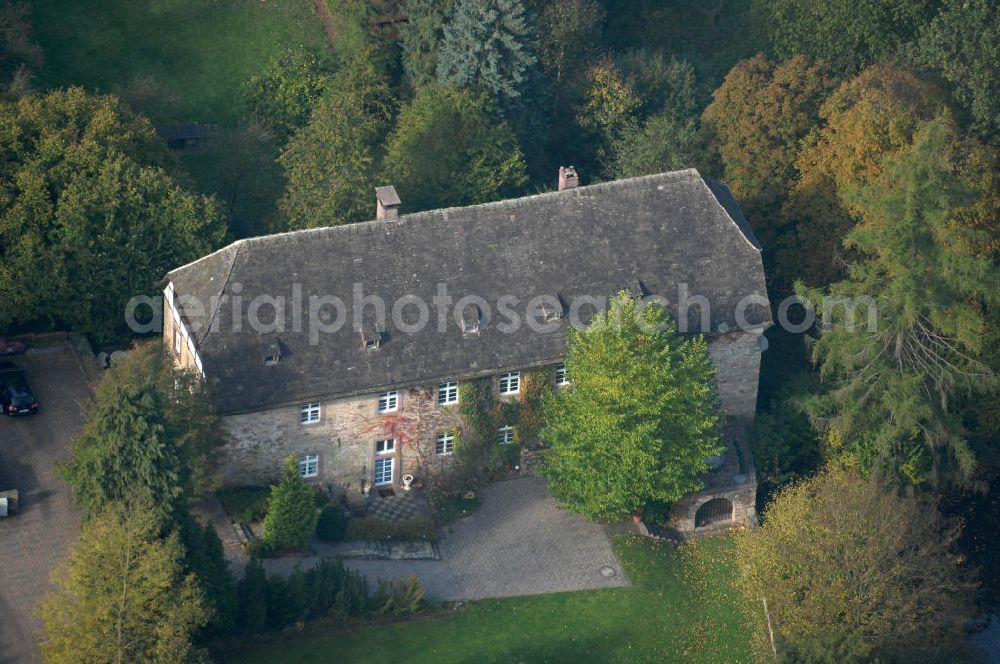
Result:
{"points": [[152, 432], [90, 215], [331, 162], [284, 94], [245, 504], [253, 596], [124, 452], [569, 33], [370, 528], [291, 510], [399, 597], [662, 144], [488, 45], [665, 85], [449, 508], [332, 524], [276, 602], [422, 35], [642, 408], [205, 558], [890, 407], [784, 444], [849, 35], [962, 44], [19, 55], [450, 148]]}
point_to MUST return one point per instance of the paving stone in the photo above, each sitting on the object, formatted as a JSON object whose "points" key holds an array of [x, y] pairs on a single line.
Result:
{"points": [[518, 543], [34, 541]]}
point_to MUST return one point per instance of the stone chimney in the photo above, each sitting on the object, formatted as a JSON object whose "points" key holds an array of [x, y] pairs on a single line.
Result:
{"points": [[568, 178], [387, 203]]}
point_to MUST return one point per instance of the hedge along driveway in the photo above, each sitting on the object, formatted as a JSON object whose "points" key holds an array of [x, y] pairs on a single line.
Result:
{"points": [[518, 543]]}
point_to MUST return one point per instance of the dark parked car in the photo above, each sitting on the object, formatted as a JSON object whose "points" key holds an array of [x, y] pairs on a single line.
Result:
{"points": [[15, 395]]}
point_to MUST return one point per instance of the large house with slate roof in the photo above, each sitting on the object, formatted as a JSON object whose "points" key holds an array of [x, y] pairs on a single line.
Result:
{"points": [[330, 344]]}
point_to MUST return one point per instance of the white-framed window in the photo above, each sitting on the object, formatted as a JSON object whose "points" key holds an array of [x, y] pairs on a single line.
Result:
{"points": [[309, 413], [561, 377], [510, 383], [383, 471], [388, 401], [177, 341], [505, 435], [445, 444], [385, 446], [448, 393], [309, 465]]}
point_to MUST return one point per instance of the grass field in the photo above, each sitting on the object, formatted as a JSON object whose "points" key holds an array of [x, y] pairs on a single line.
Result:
{"points": [[682, 608], [200, 50]]}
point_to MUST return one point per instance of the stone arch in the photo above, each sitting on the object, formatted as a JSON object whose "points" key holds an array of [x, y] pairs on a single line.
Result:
{"points": [[716, 510]]}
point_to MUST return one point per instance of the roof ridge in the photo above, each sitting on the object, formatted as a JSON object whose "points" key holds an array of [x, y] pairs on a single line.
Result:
{"points": [[237, 246], [356, 227]]}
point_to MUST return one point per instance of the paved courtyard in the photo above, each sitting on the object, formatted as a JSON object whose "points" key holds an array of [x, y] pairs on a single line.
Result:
{"points": [[35, 541], [518, 543]]}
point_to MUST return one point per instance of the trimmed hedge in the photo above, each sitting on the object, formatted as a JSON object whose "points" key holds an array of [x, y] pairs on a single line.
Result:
{"points": [[244, 504]]}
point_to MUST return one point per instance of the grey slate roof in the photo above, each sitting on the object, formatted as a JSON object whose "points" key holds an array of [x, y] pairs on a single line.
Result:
{"points": [[656, 231]]}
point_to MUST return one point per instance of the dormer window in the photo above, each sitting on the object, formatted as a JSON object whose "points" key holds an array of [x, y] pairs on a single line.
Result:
{"points": [[370, 340], [561, 377], [550, 313], [470, 321], [272, 356]]}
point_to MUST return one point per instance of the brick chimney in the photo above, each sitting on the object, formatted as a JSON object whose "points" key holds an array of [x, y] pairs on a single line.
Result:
{"points": [[386, 203], [568, 178]]}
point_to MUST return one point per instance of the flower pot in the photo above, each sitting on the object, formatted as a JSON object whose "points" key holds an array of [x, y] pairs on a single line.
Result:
{"points": [[407, 481]]}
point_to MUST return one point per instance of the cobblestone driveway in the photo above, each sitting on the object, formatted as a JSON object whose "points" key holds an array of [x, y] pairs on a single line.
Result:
{"points": [[34, 541], [518, 543]]}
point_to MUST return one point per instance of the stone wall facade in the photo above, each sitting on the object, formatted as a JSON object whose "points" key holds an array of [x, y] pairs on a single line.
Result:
{"points": [[736, 357], [344, 438]]}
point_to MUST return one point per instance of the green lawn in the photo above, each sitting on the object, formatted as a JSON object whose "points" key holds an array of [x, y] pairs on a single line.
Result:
{"points": [[682, 608], [200, 50]]}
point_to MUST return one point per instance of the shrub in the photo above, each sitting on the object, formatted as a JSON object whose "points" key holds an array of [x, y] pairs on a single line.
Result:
{"points": [[244, 504], [291, 510], [332, 524], [452, 507], [399, 597], [367, 528], [251, 617]]}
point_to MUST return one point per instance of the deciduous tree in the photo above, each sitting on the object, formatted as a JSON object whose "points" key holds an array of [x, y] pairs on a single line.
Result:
{"points": [[847, 34], [640, 419], [284, 94], [962, 44], [756, 122], [331, 162], [122, 595], [90, 215], [855, 572], [449, 148]]}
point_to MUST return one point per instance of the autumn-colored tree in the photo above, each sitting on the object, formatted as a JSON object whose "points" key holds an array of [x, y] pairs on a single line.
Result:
{"points": [[756, 122], [610, 112], [122, 596], [867, 119], [896, 364], [449, 148], [855, 572]]}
